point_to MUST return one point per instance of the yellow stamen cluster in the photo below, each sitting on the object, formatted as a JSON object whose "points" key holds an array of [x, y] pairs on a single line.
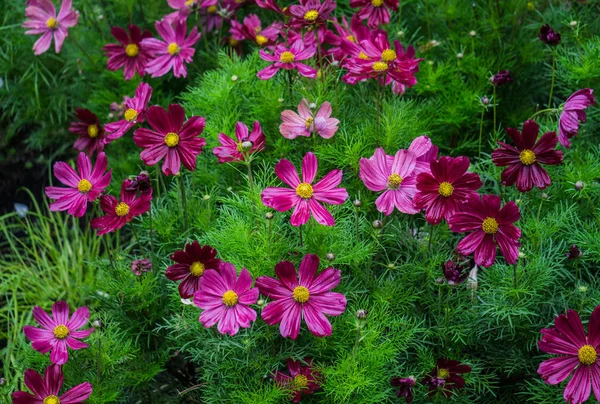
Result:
{"points": [[230, 298], [172, 139], [311, 15], [301, 294], [380, 66], [287, 57], [212, 9], [61, 331], [446, 189], [388, 55], [84, 186], [52, 23], [261, 39], [130, 115], [51, 399], [309, 121], [443, 373], [587, 355], [362, 56], [351, 38], [300, 381], [121, 209], [132, 50], [197, 268], [233, 42], [527, 157], [189, 3], [490, 225], [304, 190], [394, 181], [377, 3], [92, 131], [173, 49]]}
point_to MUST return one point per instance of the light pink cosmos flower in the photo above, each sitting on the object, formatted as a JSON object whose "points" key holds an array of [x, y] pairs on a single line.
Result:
{"points": [[303, 196], [305, 123], [375, 11], [225, 298], [173, 51], [306, 295], [572, 113], [47, 390], [251, 30], [59, 332], [288, 59], [134, 113], [81, 188], [128, 54], [246, 144], [42, 19]]}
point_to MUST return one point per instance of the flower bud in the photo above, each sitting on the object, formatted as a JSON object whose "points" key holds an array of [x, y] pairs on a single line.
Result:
{"points": [[312, 105], [357, 203], [544, 195], [582, 289], [377, 224], [501, 78], [361, 314], [485, 100], [573, 23], [330, 256], [234, 78], [459, 55], [575, 252], [97, 324], [268, 216], [579, 185], [206, 197], [473, 33]]}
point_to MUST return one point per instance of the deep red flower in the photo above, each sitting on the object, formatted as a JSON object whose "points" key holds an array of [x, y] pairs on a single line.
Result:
{"points": [[90, 131], [501, 78], [47, 390], [191, 262], [405, 385], [302, 380], [549, 36], [128, 54], [445, 377]]}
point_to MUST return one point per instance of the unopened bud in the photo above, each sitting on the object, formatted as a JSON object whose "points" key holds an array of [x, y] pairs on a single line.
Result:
{"points": [[268, 216], [582, 289], [357, 203], [377, 224], [234, 78], [573, 23], [439, 281], [544, 195], [459, 55], [361, 314], [97, 324], [579, 185], [485, 100], [206, 197], [330, 256], [312, 105], [473, 33]]}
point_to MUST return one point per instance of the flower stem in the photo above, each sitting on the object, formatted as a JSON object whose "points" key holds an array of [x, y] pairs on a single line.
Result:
{"points": [[553, 71], [543, 111], [515, 275], [250, 181], [183, 202], [494, 98], [432, 228], [99, 361], [135, 235], [300, 231], [481, 130], [357, 341], [356, 222]]}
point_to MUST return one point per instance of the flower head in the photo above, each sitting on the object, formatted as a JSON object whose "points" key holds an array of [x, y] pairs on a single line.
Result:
{"points": [[83, 187], [90, 131], [288, 58], [135, 111], [306, 295], [405, 386], [225, 299], [46, 390], [172, 139], [191, 263], [129, 53], [578, 355], [445, 377], [525, 159], [457, 271], [574, 252], [311, 12], [375, 11], [141, 183], [305, 122], [251, 30], [303, 196], [300, 379], [549, 36], [59, 331], [572, 113], [489, 226], [346, 41], [138, 267], [501, 78], [243, 147], [42, 19]]}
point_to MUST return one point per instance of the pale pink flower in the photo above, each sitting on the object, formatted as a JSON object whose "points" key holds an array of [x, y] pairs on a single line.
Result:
{"points": [[305, 122]]}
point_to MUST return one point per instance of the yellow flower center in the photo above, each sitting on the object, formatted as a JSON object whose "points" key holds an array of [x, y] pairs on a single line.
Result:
{"points": [[490, 225], [61, 331], [230, 298], [212, 9], [172, 139], [351, 38], [121, 209], [527, 157], [587, 355], [300, 381], [301, 294], [233, 42], [52, 23], [443, 373], [363, 56], [189, 2], [380, 66], [446, 189], [197, 268], [173, 48], [132, 50], [388, 55], [309, 121], [51, 399], [377, 3], [130, 115], [311, 15], [394, 181], [84, 186], [304, 190], [239, 147], [93, 131], [287, 57], [261, 39]]}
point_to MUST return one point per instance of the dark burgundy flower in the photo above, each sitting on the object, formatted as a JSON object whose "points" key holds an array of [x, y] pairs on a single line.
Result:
{"points": [[405, 385], [524, 161], [501, 78], [90, 131], [191, 262], [445, 377], [456, 273], [46, 390], [302, 380], [140, 183], [549, 36], [574, 252], [140, 266]]}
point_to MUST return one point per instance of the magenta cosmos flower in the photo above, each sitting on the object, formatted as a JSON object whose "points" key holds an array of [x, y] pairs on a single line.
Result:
{"points": [[301, 380], [42, 19], [305, 122], [288, 59], [90, 131], [572, 113], [448, 185], [47, 390], [172, 139], [578, 355], [251, 30], [173, 51], [245, 145], [59, 332], [129, 53], [375, 11], [311, 12], [306, 295], [120, 212], [225, 298], [489, 226], [191, 263], [81, 188], [525, 159], [303, 196], [134, 113]]}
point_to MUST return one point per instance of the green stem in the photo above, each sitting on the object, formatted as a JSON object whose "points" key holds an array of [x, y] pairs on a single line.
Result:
{"points": [[250, 180], [494, 97], [183, 202], [537, 218], [137, 239], [432, 227], [357, 341], [481, 130], [300, 232], [99, 361], [553, 71], [515, 275], [543, 111], [356, 222]]}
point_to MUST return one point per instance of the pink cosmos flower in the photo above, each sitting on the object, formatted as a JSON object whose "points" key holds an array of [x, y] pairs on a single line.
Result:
{"points": [[345, 43], [311, 12], [59, 332], [272, 5], [306, 295], [81, 188], [191, 264], [288, 59], [119, 213], [578, 355], [448, 185], [303, 196], [42, 19], [572, 113], [172, 139], [47, 390], [90, 131], [302, 379], [173, 51], [185, 8], [306, 123], [425, 151], [134, 113], [251, 30], [129, 53], [225, 298], [245, 146], [375, 11], [489, 226], [525, 159]]}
